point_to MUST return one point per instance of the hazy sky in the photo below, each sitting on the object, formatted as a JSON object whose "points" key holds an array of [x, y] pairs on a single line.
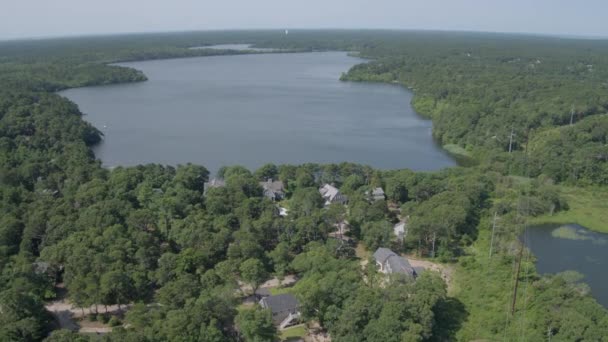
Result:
{"points": [[36, 18]]}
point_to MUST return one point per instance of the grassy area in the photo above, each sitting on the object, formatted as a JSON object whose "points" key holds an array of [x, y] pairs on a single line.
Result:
{"points": [[481, 296], [588, 207], [293, 333], [457, 150], [570, 233], [280, 290]]}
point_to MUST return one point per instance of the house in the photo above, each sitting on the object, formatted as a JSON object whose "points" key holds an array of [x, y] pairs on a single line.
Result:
{"points": [[213, 183], [332, 195], [376, 195], [390, 262], [284, 308], [273, 189], [400, 229]]}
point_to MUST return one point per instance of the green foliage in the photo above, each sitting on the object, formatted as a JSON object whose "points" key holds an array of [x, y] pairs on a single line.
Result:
{"points": [[253, 272], [266, 172], [304, 201], [550, 305], [256, 325], [377, 234], [586, 206], [64, 335], [396, 312], [477, 88], [22, 317], [147, 235]]}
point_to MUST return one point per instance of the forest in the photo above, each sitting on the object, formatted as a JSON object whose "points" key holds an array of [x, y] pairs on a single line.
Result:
{"points": [[179, 261]]}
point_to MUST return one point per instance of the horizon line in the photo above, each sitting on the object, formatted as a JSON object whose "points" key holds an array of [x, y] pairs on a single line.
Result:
{"points": [[110, 34]]}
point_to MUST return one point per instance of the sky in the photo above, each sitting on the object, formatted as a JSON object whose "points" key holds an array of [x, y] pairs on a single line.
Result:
{"points": [[48, 18]]}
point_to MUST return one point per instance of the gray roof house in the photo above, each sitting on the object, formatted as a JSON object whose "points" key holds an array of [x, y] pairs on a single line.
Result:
{"points": [[213, 183], [332, 195], [284, 308], [390, 262], [273, 189]]}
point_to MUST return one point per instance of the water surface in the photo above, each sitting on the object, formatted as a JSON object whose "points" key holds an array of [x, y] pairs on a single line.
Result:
{"points": [[255, 109], [572, 247], [237, 47]]}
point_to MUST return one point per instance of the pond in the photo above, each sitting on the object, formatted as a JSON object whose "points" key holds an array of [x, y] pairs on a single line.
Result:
{"points": [[255, 109], [560, 248], [237, 47]]}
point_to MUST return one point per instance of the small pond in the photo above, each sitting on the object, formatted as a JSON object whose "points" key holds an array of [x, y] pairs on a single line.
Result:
{"points": [[560, 248]]}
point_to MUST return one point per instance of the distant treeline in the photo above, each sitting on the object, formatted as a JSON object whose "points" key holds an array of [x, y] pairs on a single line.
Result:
{"points": [[494, 93]]}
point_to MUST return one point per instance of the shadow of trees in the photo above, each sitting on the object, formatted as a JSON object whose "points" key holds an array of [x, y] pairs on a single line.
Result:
{"points": [[450, 314]]}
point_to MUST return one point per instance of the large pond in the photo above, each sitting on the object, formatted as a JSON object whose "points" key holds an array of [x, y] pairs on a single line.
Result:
{"points": [[572, 247], [236, 47], [255, 109]]}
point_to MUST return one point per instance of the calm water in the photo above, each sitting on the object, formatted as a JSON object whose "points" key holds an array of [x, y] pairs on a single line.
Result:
{"points": [[254, 109], [237, 47], [577, 249]]}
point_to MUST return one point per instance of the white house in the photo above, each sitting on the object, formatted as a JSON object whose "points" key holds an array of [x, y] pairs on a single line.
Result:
{"points": [[400, 229]]}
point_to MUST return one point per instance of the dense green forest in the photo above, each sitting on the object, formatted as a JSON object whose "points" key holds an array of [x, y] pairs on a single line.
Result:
{"points": [[149, 238], [482, 94]]}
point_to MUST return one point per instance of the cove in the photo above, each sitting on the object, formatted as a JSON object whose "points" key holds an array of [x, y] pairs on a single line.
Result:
{"points": [[561, 248], [283, 108]]}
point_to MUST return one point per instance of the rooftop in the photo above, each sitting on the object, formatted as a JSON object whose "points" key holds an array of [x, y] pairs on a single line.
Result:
{"points": [[329, 191], [396, 263], [378, 192], [275, 186], [281, 303], [382, 254], [400, 264]]}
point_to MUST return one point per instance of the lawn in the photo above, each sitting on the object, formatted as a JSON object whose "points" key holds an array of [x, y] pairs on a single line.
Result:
{"points": [[280, 290], [293, 333], [588, 207]]}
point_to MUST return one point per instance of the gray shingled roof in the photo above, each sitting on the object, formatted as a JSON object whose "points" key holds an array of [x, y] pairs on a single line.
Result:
{"points": [[399, 264], [396, 263], [281, 303], [382, 254]]}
